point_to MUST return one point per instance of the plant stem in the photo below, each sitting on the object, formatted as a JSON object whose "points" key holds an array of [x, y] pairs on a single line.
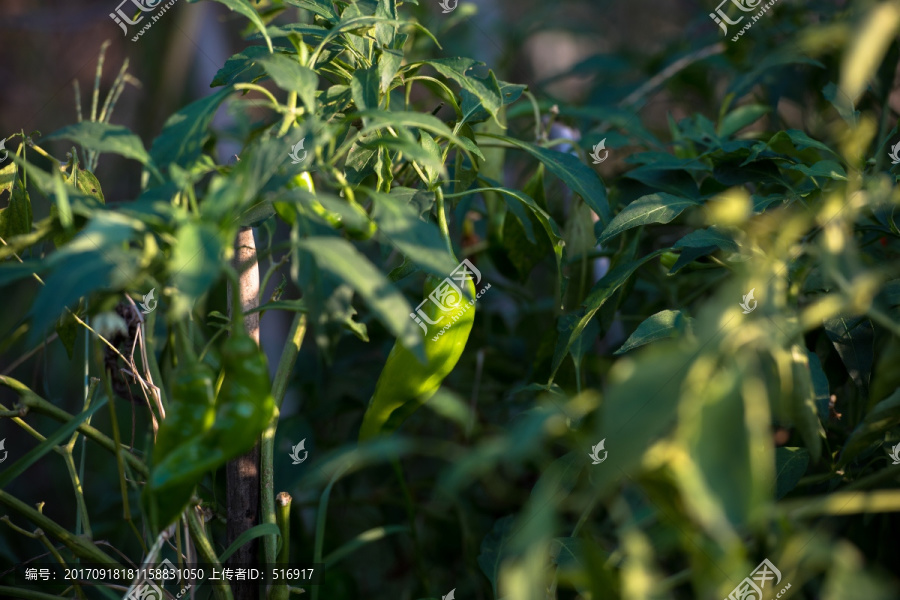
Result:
{"points": [[204, 548], [290, 117], [12, 592], [283, 518], [79, 546], [267, 447], [321, 518], [411, 516], [442, 218], [34, 402]]}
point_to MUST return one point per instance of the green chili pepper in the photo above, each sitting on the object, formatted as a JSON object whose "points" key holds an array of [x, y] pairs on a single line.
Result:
{"points": [[244, 407], [191, 413], [405, 384]]}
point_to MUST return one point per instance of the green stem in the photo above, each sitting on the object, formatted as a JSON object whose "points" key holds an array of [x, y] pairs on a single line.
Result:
{"points": [[320, 521], [79, 546], [11, 592], [34, 402], [411, 516], [260, 89], [290, 117], [283, 517], [442, 218], [267, 447], [82, 523], [221, 588]]}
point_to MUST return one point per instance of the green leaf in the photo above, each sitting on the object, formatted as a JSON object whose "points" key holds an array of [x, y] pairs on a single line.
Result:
{"points": [[420, 241], [600, 293], [802, 403], [640, 403], [790, 466], [707, 237], [550, 226], [384, 33], [431, 148], [380, 119], [67, 330], [242, 67], [245, 8], [360, 162], [340, 258], [664, 324], [88, 184], [740, 118], [885, 416], [364, 88], [867, 48], [524, 249], [103, 137], [16, 218], [323, 8], [96, 258], [411, 150], [291, 76], [802, 141], [824, 168], [474, 112], [184, 134], [33, 455], [486, 90], [580, 178], [493, 550], [366, 537], [195, 264], [420, 199], [853, 340], [653, 208], [388, 64], [538, 518], [712, 427], [345, 26], [252, 533]]}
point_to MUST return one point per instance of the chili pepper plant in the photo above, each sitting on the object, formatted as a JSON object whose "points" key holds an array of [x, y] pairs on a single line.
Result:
{"points": [[412, 341]]}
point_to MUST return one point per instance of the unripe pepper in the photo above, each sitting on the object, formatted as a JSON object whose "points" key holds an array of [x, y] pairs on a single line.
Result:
{"points": [[405, 384], [244, 407], [191, 413]]}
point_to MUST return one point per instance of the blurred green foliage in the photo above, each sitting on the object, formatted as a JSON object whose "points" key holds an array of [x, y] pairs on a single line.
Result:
{"points": [[615, 311]]}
